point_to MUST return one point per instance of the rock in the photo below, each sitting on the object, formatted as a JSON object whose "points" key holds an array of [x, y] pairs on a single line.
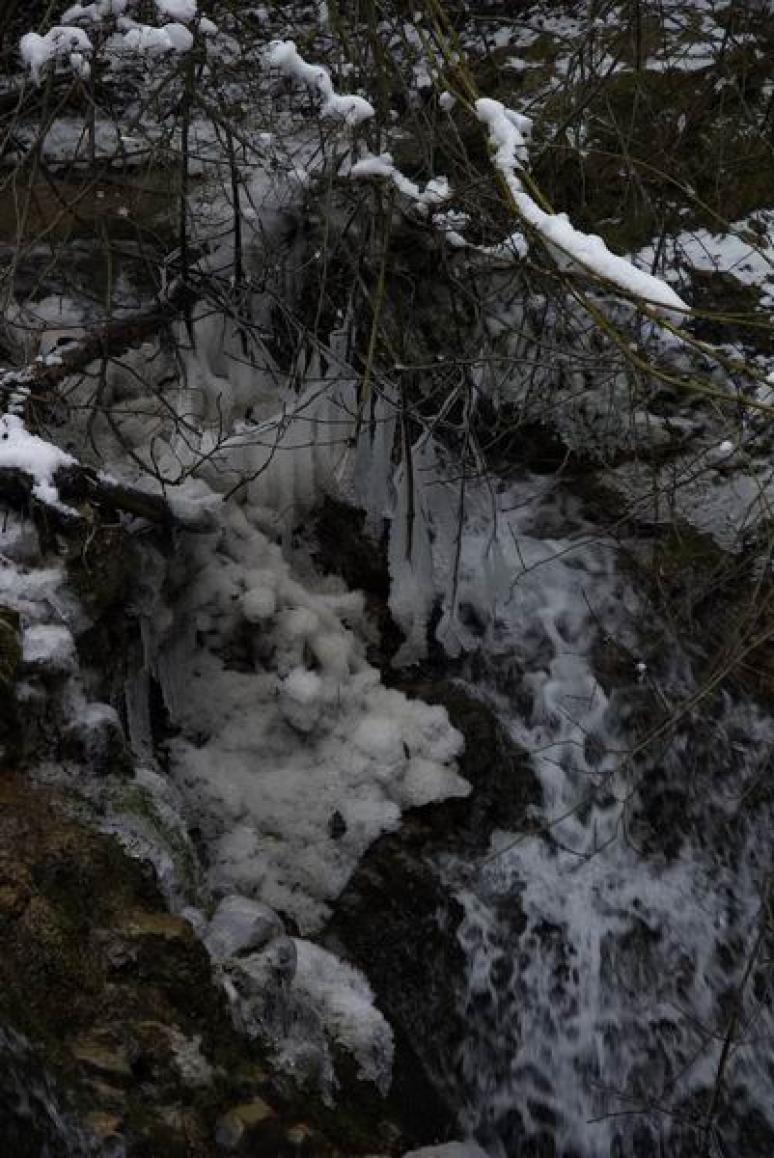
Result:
{"points": [[10, 659], [118, 998], [196, 919], [337, 825], [300, 1136], [35, 1118], [241, 1120], [229, 1132], [140, 924], [104, 1125], [241, 925], [102, 1052], [277, 963], [254, 1112], [10, 647], [260, 984], [14, 897]]}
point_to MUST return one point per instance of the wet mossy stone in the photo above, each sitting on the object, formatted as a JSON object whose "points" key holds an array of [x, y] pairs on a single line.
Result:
{"points": [[108, 987]]}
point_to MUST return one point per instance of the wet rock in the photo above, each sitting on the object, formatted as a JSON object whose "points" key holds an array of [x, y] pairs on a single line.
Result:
{"points": [[35, 1118], [119, 999], [10, 647], [260, 984], [104, 1125], [300, 1136], [141, 924]]}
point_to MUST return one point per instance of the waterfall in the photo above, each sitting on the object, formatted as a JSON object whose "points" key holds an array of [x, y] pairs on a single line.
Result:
{"points": [[616, 990]]}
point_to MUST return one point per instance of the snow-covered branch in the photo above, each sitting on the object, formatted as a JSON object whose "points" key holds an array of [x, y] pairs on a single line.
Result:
{"points": [[351, 109], [508, 133]]}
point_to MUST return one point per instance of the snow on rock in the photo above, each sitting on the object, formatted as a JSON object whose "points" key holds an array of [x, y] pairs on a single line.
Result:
{"points": [[345, 1005], [48, 647], [292, 755], [301, 999], [241, 925], [352, 110], [21, 450], [96, 737], [508, 133], [62, 41]]}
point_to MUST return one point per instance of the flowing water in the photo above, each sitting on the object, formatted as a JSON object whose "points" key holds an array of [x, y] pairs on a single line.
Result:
{"points": [[618, 993]]}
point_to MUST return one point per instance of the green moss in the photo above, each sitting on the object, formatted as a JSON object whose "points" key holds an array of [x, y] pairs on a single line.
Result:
{"points": [[138, 803]]}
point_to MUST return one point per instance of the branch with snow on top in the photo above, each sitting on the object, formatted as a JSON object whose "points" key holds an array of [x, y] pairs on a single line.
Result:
{"points": [[427, 202], [508, 132], [59, 43], [352, 110]]}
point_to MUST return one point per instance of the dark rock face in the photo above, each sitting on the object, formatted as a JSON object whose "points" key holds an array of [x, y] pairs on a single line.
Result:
{"points": [[398, 918], [114, 1036], [113, 990]]}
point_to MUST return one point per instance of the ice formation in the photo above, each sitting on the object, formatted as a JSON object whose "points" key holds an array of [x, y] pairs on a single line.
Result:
{"points": [[285, 726], [345, 1003]]}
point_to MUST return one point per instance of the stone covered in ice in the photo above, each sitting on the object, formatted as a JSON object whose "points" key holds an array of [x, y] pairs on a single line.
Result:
{"points": [[241, 925]]}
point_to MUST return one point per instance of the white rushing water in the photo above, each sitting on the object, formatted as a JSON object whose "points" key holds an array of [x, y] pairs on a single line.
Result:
{"points": [[611, 955]]}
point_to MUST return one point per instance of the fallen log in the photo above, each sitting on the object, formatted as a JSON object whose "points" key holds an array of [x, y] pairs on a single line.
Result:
{"points": [[107, 341], [80, 486]]}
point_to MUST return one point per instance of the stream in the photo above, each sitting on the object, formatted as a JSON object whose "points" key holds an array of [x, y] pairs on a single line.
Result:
{"points": [[617, 990]]}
